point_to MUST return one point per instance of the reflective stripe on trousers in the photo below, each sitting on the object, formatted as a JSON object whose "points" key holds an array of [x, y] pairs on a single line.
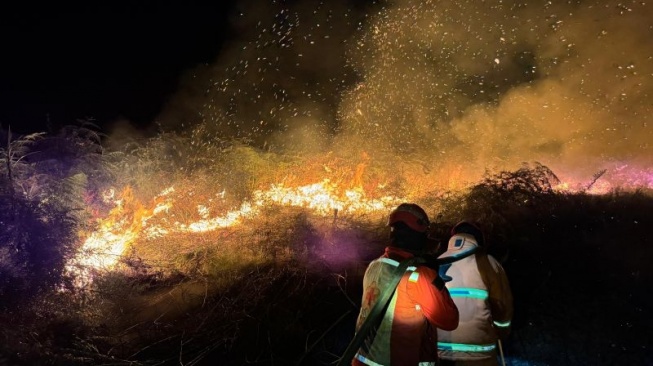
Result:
{"points": [[369, 362]]}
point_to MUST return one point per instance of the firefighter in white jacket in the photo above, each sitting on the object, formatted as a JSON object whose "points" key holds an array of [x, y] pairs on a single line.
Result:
{"points": [[479, 287]]}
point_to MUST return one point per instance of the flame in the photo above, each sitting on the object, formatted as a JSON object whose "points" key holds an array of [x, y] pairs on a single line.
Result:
{"points": [[130, 220], [229, 219], [324, 198], [103, 248]]}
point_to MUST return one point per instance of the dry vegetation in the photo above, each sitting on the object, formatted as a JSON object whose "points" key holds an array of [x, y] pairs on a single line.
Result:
{"points": [[283, 287]]}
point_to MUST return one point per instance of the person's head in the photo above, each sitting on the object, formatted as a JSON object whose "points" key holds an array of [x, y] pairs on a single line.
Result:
{"points": [[409, 224], [471, 228]]}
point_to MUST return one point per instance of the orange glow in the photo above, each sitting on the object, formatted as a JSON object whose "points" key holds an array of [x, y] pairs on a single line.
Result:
{"points": [[103, 248], [129, 220], [170, 212], [209, 224]]}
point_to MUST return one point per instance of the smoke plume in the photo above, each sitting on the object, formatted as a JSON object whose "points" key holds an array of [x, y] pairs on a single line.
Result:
{"points": [[459, 86]]}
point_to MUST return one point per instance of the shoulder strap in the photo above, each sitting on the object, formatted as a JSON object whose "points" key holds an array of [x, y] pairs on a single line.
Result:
{"points": [[377, 309], [381, 304]]}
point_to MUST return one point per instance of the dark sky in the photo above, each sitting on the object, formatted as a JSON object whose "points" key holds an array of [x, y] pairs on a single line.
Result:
{"points": [[467, 84], [117, 60]]}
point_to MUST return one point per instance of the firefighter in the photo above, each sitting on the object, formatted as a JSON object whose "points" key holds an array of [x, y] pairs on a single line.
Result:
{"points": [[406, 335], [480, 289]]}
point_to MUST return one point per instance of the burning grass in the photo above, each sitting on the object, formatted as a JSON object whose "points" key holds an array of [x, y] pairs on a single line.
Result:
{"points": [[263, 289], [248, 256], [283, 288]]}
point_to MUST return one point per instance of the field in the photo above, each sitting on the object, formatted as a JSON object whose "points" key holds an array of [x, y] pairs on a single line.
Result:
{"points": [[276, 280]]}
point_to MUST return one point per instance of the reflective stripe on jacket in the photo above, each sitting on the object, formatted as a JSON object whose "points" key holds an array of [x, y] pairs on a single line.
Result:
{"points": [[479, 287], [406, 335]]}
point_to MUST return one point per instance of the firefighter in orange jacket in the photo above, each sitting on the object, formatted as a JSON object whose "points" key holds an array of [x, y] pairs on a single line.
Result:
{"points": [[407, 335], [480, 289]]}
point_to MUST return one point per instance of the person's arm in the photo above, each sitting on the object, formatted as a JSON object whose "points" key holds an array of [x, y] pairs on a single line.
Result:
{"points": [[435, 301], [500, 297]]}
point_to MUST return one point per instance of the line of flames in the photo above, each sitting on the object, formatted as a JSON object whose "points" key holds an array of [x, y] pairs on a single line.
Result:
{"points": [[129, 220]]}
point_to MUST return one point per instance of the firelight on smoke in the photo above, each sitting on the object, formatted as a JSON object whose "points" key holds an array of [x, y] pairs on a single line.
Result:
{"points": [[458, 90]]}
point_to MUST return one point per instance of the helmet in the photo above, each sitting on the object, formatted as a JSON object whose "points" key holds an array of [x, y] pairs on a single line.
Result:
{"points": [[410, 214], [468, 227]]}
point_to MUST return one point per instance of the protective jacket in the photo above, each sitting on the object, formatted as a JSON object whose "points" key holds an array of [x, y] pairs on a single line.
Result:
{"points": [[406, 335], [479, 287]]}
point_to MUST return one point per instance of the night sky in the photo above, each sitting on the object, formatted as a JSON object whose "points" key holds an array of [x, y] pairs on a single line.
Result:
{"points": [[120, 60], [462, 86]]}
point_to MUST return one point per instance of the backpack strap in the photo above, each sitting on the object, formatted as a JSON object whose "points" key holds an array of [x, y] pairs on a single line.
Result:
{"points": [[378, 309], [381, 304]]}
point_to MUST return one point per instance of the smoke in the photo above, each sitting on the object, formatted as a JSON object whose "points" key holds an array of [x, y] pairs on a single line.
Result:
{"points": [[465, 85], [282, 74], [492, 84]]}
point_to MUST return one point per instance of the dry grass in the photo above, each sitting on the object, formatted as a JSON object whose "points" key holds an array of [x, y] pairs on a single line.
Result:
{"points": [[284, 286], [295, 295]]}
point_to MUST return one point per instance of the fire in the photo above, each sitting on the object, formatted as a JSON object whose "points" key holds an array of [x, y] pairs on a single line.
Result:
{"points": [[130, 220], [103, 248], [323, 198], [229, 219]]}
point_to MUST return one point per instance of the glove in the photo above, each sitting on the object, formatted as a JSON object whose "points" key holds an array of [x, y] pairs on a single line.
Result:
{"points": [[438, 283], [441, 278]]}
